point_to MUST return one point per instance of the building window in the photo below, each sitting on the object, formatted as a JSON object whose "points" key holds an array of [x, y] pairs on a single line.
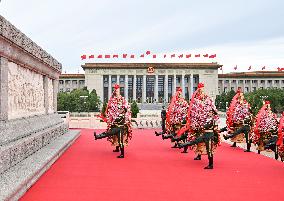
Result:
{"points": [[225, 89], [262, 81], [276, 81], [61, 90], [82, 82], [121, 79], [269, 81], [74, 82], [234, 81], [241, 81], [254, 88], [61, 81], [232, 89], [247, 81], [67, 82], [246, 89], [282, 81], [226, 81], [113, 79], [254, 81], [178, 79], [67, 89]]}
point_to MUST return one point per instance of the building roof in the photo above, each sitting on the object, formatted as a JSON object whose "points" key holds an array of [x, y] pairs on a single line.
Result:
{"points": [[155, 65], [64, 76], [254, 74]]}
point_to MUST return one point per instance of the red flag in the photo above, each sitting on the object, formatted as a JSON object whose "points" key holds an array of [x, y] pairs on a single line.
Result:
{"points": [[263, 68], [83, 57], [165, 55], [212, 56], [148, 52], [249, 68], [197, 55], [91, 56], [107, 56], [142, 55], [280, 69], [124, 56], [188, 55], [173, 55], [180, 56], [132, 56], [100, 56], [205, 55], [154, 56], [235, 68], [115, 56]]}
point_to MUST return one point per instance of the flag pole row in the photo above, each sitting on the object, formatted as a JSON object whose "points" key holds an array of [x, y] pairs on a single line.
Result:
{"points": [[147, 54]]}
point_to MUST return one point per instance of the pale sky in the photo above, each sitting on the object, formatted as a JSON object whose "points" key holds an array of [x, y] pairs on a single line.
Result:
{"points": [[242, 32]]}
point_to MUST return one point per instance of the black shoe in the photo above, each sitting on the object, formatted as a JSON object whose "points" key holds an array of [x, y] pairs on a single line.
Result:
{"points": [[248, 147], [234, 144], [258, 151], [116, 149], [197, 158], [209, 167], [121, 152], [95, 135]]}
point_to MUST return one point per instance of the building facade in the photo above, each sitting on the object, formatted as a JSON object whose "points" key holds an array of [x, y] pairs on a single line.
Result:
{"points": [[151, 82], [69, 82], [250, 81]]}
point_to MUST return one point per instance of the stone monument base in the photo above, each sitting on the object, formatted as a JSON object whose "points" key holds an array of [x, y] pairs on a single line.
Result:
{"points": [[28, 147]]}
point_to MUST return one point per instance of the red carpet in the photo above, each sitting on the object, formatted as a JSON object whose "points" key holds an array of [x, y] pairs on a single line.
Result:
{"points": [[89, 170]]}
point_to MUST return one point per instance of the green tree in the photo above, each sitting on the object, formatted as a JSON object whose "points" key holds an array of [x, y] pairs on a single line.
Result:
{"points": [[79, 100], [134, 109], [103, 111]]}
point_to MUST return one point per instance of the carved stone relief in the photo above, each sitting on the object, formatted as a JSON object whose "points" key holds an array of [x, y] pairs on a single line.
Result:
{"points": [[25, 92]]}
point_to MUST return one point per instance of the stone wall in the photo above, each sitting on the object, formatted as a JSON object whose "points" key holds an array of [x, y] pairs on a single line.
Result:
{"points": [[28, 91]]}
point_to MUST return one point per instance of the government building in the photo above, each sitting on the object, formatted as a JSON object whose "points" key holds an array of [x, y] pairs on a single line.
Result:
{"points": [[157, 82]]}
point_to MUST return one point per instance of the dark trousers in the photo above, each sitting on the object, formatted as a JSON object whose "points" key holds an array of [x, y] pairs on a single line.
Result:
{"points": [[114, 131], [164, 125], [245, 129], [207, 138]]}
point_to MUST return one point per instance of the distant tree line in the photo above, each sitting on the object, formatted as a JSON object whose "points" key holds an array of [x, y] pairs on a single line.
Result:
{"points": [[255, 99], [79, 100]]}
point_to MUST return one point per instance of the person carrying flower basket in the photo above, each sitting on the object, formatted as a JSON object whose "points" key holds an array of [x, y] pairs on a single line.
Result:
{"points": [[265, 128], [176, 116], [202, 127], [118, 119], [239, 120]]}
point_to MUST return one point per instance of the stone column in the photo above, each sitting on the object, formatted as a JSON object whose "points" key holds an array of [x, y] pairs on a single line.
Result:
{"points": [[244, 85], [191, 85], [144, 89], [265, 84], [55, 92], [174, 84], [3, 88], [109, 86], [237, 84], [156, 88], [230, 85], [126, 87], [250, 86], [45, 88], [166, 89], [117, 79], [134, 87], [183, 85]]}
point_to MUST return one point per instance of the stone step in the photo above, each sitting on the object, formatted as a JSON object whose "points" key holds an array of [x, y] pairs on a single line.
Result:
{"points": [[18, 179]]}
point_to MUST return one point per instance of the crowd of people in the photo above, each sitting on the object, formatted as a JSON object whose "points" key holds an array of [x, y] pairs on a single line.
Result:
{"points": [[194, 124]]}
